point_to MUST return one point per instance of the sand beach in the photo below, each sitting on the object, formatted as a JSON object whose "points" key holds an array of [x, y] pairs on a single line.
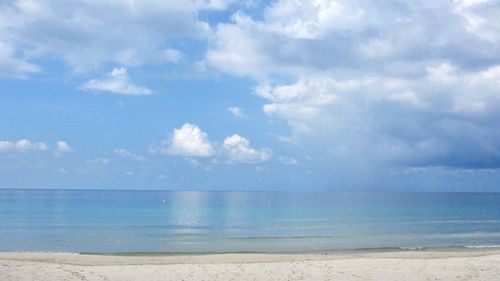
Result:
{"points": [[405, 265]]}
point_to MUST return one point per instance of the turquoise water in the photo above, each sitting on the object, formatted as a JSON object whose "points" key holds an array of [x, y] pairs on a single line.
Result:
{"points": [[174, 222]]}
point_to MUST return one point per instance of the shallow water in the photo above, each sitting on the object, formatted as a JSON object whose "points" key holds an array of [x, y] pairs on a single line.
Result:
{"points": [[176, 222]]}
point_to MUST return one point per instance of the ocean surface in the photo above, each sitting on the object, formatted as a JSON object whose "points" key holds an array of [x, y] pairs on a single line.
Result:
{"points": [[202, 222]]}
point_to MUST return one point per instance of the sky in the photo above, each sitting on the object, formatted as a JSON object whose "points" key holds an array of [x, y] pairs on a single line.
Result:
{"points": [[250, 95]]}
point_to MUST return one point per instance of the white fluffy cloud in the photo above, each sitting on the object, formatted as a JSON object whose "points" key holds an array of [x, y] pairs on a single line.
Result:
{"points": [[238, 150], [235, 111], [88, 34], [123, 153], [313, 19], [117, 82], [344, 38], [191, 141], [62, 148], [299, 103], [22, 145], [188, 141]]}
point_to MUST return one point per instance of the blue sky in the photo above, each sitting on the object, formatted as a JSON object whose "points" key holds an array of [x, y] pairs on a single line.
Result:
{"points": [[250, 95]]}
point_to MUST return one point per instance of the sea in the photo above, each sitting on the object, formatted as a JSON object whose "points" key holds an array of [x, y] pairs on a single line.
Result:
{"points": [[177, 222]]}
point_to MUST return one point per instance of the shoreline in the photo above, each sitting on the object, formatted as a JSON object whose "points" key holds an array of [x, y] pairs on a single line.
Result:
{"points": [[482, 264], [91, 259]]}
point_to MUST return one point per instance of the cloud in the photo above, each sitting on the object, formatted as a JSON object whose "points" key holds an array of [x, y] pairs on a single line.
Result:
{"points": [[117, 82], [392, 84], [424, 122], [191, 141], [89, 34], [345, 38], [173, 55], [238, 150], [313, 19], [22, 145], [288, 160], [235, 111], [299, 103], [100, 161], [122, 152], [62, 148], [188, 141], [13, 67], [214, 4]]}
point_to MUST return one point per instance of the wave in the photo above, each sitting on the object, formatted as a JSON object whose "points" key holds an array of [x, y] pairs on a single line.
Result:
{"points": [[323, 251]]}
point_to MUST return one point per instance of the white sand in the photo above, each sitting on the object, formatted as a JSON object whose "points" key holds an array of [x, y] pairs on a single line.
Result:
{"points": [[447, 265]]}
